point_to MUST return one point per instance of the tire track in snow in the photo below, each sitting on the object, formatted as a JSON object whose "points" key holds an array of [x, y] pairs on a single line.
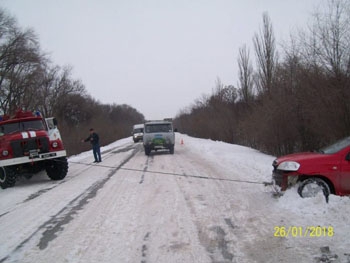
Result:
{"points": [[51, 228], [39, 193], [214, 238], [148, 162], [145, 248]]}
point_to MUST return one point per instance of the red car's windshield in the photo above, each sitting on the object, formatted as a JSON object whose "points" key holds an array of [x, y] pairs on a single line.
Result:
{"points": [[336, 147]]}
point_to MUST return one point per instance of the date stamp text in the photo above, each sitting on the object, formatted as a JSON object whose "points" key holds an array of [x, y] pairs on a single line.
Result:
{"points": [[307, 231]]}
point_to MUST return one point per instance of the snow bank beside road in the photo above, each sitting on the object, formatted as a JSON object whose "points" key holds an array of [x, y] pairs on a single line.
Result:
{"points": [[289, 211], [247, 163]]}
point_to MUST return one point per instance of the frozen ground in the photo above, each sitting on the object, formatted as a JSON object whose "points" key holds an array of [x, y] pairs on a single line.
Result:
{"points": [[205, 203]]}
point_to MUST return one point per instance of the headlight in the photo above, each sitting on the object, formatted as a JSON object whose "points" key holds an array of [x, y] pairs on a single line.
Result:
{"points": [[288, 166], [5, 153], [54, 144]]}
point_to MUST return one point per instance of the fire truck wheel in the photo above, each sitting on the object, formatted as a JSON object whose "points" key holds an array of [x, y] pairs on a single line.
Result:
{"points": [[57, 169], [7, 177]]}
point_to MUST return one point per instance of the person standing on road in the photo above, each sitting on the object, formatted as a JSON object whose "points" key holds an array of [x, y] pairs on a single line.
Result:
{"points": [[94, 140]]}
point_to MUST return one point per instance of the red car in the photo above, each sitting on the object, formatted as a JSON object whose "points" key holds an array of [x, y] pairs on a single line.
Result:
{"points": [[327, 170]]}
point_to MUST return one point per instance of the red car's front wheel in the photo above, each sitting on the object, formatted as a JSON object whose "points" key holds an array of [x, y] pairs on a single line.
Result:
{"points": [[312, 186]]}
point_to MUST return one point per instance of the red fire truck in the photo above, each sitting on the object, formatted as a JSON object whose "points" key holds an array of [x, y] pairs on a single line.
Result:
{"points": [[29, 144]]}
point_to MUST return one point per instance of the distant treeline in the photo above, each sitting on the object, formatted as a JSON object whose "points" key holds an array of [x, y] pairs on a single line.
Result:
{"points": [[29, 80], [294, 100]]}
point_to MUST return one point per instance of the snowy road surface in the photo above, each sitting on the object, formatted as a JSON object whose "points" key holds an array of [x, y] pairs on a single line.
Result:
{"points": [[205, 203]]}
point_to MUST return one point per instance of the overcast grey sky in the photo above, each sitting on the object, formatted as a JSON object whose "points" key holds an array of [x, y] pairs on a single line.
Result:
{"points": [[157, 56]]}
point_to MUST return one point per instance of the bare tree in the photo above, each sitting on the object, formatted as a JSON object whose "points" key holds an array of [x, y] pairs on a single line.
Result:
{"points": [[332, 32], [266, 54], [245, 73], [20, 57], [328, 50]]}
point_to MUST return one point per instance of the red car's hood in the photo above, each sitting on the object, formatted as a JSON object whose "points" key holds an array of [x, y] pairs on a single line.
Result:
{"points": [[300, 157]]}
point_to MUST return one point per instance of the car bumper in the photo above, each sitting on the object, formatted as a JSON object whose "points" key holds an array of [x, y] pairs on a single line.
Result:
{"points": [[36, 158], [153, 146], [284, 179]]}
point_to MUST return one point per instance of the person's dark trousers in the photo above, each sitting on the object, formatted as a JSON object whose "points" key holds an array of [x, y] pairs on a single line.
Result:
{"points": [[97, 153]]}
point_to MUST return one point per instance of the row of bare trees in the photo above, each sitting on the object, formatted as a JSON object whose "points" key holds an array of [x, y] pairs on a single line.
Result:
{"points": [[30, 81], [293, 101]]}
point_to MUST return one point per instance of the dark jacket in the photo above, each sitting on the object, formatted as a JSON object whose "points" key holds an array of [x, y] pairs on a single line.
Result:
{"points": [[93, 138]]}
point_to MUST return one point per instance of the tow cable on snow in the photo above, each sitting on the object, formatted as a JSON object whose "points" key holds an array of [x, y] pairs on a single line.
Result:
{"points": [[175, 174]]}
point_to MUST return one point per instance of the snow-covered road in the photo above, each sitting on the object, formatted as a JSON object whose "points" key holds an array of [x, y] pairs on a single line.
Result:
{"points": [[205, 203]]}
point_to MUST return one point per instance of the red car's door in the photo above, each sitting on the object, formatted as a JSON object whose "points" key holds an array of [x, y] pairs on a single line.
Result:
{"points": [[345, 175]]}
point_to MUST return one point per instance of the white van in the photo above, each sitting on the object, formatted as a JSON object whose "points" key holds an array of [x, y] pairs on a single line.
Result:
{"points": [[158, 135], [137, 132]]}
